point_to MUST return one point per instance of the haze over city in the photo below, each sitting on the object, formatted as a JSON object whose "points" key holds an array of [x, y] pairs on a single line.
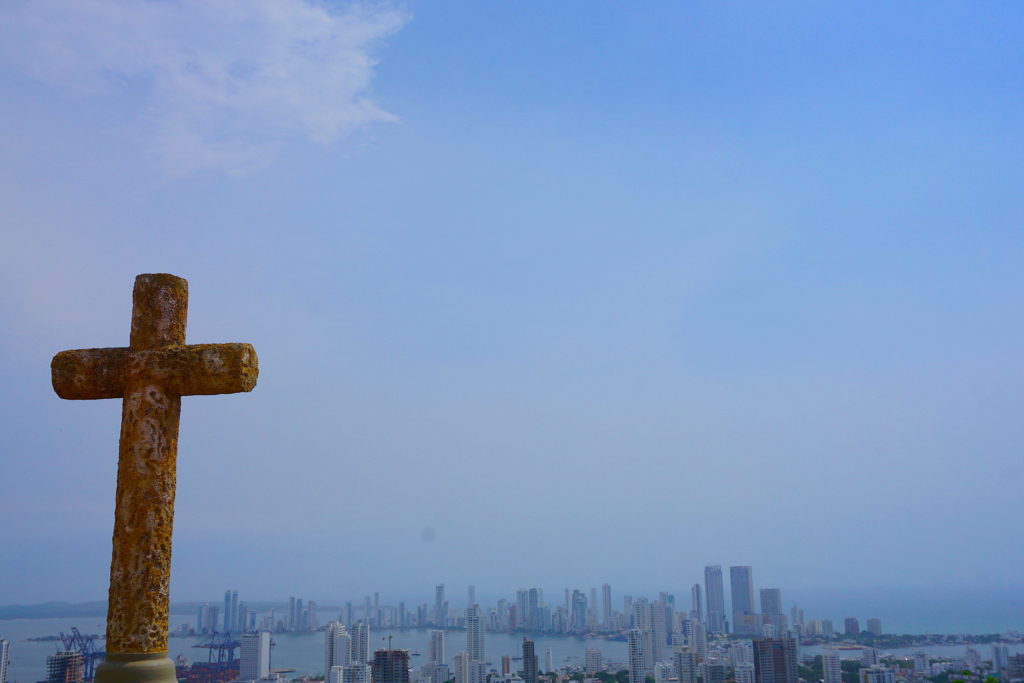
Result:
{"points": [[544, 294]]}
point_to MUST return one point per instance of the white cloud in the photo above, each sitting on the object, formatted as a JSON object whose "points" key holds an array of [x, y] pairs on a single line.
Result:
{"points": [[219, 83]]}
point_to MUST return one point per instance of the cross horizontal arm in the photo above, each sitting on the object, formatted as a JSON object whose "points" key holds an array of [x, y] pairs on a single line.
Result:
{"points": [[182, 370]]}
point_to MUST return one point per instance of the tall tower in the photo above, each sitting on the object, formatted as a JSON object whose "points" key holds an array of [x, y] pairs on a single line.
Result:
{"points": [[226, 627], [254, 659], [715, 596], [390, 666], [697, 609], [530, 662], [471, 594], [637, 670], [440, 611], [436, 648], [744, 619], [337, 647], [606, 611], [360, 643], [5, 656], [775, 660], [771, 608], [474, 634], [832, 666]]}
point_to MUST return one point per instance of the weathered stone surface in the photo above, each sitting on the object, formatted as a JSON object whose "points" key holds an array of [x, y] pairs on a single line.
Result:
{"points": [[151, 375]]}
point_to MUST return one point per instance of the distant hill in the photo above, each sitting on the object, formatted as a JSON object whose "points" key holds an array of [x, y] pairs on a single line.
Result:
{"points": [[98, 608], [53, 610]]}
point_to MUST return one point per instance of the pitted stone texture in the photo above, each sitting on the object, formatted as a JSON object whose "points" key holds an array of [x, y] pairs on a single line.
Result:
{"points": [[151, 375]]}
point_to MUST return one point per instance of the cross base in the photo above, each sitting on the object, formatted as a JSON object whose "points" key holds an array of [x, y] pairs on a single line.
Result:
{"points": [[149, 667]]}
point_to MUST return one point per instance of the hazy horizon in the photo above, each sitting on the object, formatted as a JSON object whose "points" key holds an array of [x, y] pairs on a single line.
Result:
{"points": [[576, 293]]}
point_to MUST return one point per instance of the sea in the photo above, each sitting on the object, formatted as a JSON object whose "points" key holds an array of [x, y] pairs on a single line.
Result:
{"points": [[303, 653]]}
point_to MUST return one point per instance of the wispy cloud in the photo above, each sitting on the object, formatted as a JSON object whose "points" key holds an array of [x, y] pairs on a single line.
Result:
{"points": [[218, 83]]}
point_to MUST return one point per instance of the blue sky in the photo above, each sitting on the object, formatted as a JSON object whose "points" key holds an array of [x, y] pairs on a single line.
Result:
{"points": [[595, 291]]}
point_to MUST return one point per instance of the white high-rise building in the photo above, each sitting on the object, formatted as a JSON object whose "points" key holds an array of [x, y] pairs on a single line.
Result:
{"points": [[337, 646], [360, 643], [1000, 659], [460, 662], [684, 664], [869, 657], [745, 672], [741, 652], [254, 657], [877, 674], [593, 660], [696, 637], [634, 638], [549, 662], [832, 666], [354, 673], [5, 656], [921, 663], [474, 634], [435, 650]]}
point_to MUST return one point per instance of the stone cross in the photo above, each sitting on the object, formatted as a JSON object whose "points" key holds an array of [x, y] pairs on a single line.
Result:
{"points": [[150, 375]]}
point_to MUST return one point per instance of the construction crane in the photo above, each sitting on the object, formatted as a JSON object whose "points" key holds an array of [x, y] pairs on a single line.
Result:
{"points": [[86, 647], [223, 644]]}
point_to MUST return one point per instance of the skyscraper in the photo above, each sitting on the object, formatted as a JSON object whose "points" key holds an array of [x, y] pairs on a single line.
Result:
{"points": [[775, 660], [637, 671], [254, 657], [440, 606], [875, 627], [606, 605], [714, 594], [5, 656], [851, 626], [549, 663], [474, 634], [684, 664], [471, 594], [1000, 658], [337, 646], [832, 666], [360, 643], [771, 609], [530, 662], [592, 660], [744, 619], [696, 609], [390, 666], [435, 650]]}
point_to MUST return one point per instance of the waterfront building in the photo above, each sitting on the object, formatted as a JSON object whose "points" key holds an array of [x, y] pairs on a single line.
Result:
{"points": [[869, 657], [827, 631], [549, 664], [390, 666], [741, 583], [1000, 658], [592, 661], [337, 646], [530, 662], [474, 634], [851, 626], [606, 604], [714, 594], [832, 666], [435, 649], [875, 627], [775, 660], [440, 606], [254, 657]]}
